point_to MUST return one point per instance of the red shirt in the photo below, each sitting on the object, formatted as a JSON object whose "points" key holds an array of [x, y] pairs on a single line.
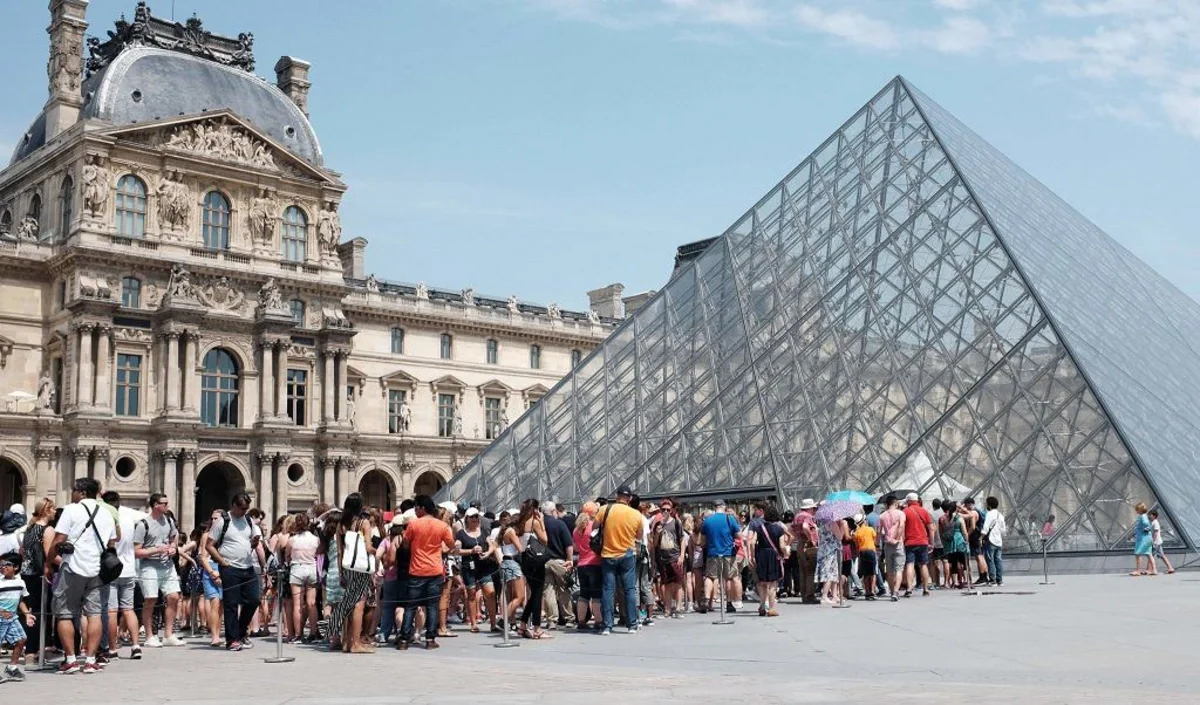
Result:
{"points": [[916, 525], [426, 536]]}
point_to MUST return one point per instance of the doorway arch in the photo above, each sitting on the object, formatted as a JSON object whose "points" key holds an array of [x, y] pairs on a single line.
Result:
{"points": [[216, 485], [377, 490], [12, 484], [429, 482]]}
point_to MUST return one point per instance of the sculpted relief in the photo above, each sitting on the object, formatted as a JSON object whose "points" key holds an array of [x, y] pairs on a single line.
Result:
{"points": [[174, 209], [261, 219], [329, 229], [95, 186], [220, 140], [222, 296]]}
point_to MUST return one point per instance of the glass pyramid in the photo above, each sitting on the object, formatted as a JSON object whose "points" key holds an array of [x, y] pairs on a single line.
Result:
{"points": [[907, 309]]}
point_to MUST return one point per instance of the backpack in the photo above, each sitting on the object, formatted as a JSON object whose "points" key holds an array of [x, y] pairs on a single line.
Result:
{"points": [[671, 540], [171, 522], [224, 530], [947, 529]]}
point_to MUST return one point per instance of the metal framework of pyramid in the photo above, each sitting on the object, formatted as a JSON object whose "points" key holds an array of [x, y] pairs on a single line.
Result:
{"points": [[906, 309]]}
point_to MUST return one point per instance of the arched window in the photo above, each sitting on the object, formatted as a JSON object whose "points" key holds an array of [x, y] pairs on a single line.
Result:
{"points": [[131, 292], [447, 346], [535, 357], [295, 235], [35, 208], [219, 389], [216, 221], [131, 207], [6, 222], [297, 307], [66, 207], [397, 341]]}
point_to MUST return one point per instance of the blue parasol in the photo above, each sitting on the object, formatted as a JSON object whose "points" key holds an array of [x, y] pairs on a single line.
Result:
{"points": [[862, 498]]}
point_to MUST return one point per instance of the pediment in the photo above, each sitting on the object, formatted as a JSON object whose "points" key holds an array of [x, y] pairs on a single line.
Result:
{"points": [[495, 386], [448, 382], [537, 390], [221, 136], [399, 378]]}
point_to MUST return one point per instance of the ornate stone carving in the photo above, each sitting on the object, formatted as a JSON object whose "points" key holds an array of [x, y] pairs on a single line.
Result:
{"points": [[28, 228], [96, 185], [329, 228], [335, 318], [95, 288], [372, 284], [592, 316], [457, 426], [188, 37], [66, 67], [174, 209], [269, 298], [468, 297], [350, 410], [405, 415], [180, 287], [514, 306], [262, 218], [220, 140], [301, 351], [151, 295], [46, 392], [553, 311], [221, 296], [6, 348], [132, 335], [422, 291], [314, 317]]}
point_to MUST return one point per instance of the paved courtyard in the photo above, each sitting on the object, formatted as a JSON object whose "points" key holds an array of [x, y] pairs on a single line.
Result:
{"points": [[1105, 638]]}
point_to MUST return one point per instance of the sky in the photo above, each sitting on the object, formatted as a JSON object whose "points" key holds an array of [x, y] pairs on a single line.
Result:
{"points": [[547, 147]]}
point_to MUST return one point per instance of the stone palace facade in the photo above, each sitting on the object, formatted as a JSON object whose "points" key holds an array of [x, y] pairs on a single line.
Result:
{"points": [[179, 311]]}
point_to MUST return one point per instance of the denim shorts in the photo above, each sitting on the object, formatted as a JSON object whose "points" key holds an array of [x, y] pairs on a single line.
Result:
{"points": [[916, 554], [212, 591], [510, 570]]}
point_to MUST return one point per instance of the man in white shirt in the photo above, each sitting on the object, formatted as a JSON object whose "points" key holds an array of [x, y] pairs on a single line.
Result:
{"points": [[155, 543], [90, 529], [232, 543], [117, 597], [994, 528]]}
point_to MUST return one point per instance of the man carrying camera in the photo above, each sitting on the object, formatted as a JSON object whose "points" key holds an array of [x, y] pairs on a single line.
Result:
{"points": [[83, 532], [232, 543]]}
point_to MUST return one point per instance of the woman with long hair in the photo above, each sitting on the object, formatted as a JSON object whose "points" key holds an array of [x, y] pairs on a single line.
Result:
{"points": [[330, 536], [588, 570], [510, 566], [210, 585], [470, 543], [530, 525], [767, 539], [357, 560], [33, 562], [277, 545], [689, 593], [699, 603], [301, 555]]}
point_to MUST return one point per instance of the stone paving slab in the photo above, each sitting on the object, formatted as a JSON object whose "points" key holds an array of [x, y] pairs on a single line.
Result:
{"points": [[1098, 638]]}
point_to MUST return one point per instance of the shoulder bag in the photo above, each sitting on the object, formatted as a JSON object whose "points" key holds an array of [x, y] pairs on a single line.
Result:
{"points": [[110, 563]]}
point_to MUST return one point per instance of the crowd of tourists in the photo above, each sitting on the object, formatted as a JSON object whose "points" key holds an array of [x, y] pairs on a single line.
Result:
{"points": [[356, 578]]}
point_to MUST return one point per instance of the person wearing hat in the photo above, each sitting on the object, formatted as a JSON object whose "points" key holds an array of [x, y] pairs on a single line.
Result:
{"points": [[620, 527], [804, 528]]}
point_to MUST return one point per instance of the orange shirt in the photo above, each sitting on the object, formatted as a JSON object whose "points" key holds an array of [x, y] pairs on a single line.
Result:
{"points": [[426, 536], [621, 529], [864, 538]]}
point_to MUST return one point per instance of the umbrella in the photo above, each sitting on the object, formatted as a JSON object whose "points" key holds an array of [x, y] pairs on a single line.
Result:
{"points": [[862, 498], [833, 511], [21, 396]]}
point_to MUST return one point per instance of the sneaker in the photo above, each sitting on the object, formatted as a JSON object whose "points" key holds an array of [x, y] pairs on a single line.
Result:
{"points": [[605, 632], [908, 593], [729, 607], [234, 646], [247, 644], [647, 622], [894, 598], [13, 673], [737, 605], [91, 667], [69, 668], [153, 643], [632, 630], [870, 598], [174, 641], [983, 580], [999, 583], [135, 654]]}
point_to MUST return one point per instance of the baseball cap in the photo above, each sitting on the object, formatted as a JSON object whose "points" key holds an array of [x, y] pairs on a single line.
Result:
{"points": [[624, 491], [912, 498], [719, 503], [472, 512], [449, 506], [17, 508]]}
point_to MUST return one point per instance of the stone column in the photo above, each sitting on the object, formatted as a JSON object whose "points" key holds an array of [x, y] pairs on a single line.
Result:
{"points": [[339, 385], [46, 481], [169, 466], [103, 468], [281, 381], [160, 371], [103, 371], [173, 370], [191, 380], [83, 395], [81, 455], [265, 480], [345, 467], [266, 387], [328, 470], [187, 491], [281, 485], [327, 388]]}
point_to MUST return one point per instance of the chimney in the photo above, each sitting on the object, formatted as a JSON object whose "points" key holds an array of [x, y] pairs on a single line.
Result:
{"points": [[633, 303], [291, 75], [606, 301], [65, 70], [353, 254]]}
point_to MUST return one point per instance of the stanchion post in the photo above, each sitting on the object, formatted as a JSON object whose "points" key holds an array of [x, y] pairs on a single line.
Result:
{"points": [[504, 641], [41, 656], [722, 570], [279, 657], [1045, 565]]}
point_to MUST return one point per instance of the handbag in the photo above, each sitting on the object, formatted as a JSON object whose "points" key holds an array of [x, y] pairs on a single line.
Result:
{"points": [[535, 555], [596, 540], [356, 558], [110, 563]]}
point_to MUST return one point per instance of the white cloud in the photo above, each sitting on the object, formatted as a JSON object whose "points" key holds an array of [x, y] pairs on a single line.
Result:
{"points": [[1183, 110], [958, 5], [959, 35], [1125, 112], [737, 13], [850, 26]]}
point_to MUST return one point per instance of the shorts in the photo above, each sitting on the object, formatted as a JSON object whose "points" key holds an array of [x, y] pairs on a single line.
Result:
{"points": [[866, 564], [303, 574], [938, 553], [670, 572], [893, 559], [118, 595], [918, 555], [12, 631], [976, 544], [956, 560], [712, 567], [591, 582], [158, 578], [847, 568], [510, 570], [1157, 552], [212, 591], [76, 595]]}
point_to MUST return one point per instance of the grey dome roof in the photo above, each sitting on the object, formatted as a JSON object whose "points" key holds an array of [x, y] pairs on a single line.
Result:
{"points": [[146, 83]]}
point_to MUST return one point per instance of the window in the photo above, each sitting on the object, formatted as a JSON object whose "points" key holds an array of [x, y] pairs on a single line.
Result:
{"points": [[35, 208], [297, 395], [6, 222], [129, 384], [66, 206], [535, 357], [297, 307], [397, 341], [295, 235], [396, 399], [219, 389], [131, 207], [446, 415], [492, 415], [493, 351], [447, 346], [62, 295], [57, 367], [131, 292], [576, 358], [216, 221]]}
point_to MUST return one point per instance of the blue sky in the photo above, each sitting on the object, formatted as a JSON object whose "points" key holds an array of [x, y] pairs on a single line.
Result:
{"points": [[546, 147]]}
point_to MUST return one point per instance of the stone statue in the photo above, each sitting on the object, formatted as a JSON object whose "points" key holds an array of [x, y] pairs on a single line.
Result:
{"points": [[422, 291], [458, 424], [221, 140], [173, 206], [592, 316], [553, 310], [350, 410], [504, 417], [329, 228], [468, 297], [476, 431], [27, 229], [269, 298], [151, 295], [261, 219], [372, 284], [513, 305], [405, 415], [95, 186], [45, 392], [221, 296], [180, 285]]}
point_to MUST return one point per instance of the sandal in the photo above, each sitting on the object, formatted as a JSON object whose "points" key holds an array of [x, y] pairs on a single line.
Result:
{"points": [[447, 635], [474, 629]]}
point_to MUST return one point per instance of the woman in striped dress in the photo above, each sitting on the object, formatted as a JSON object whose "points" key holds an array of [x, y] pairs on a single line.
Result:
{"points": [[357, 561]]}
